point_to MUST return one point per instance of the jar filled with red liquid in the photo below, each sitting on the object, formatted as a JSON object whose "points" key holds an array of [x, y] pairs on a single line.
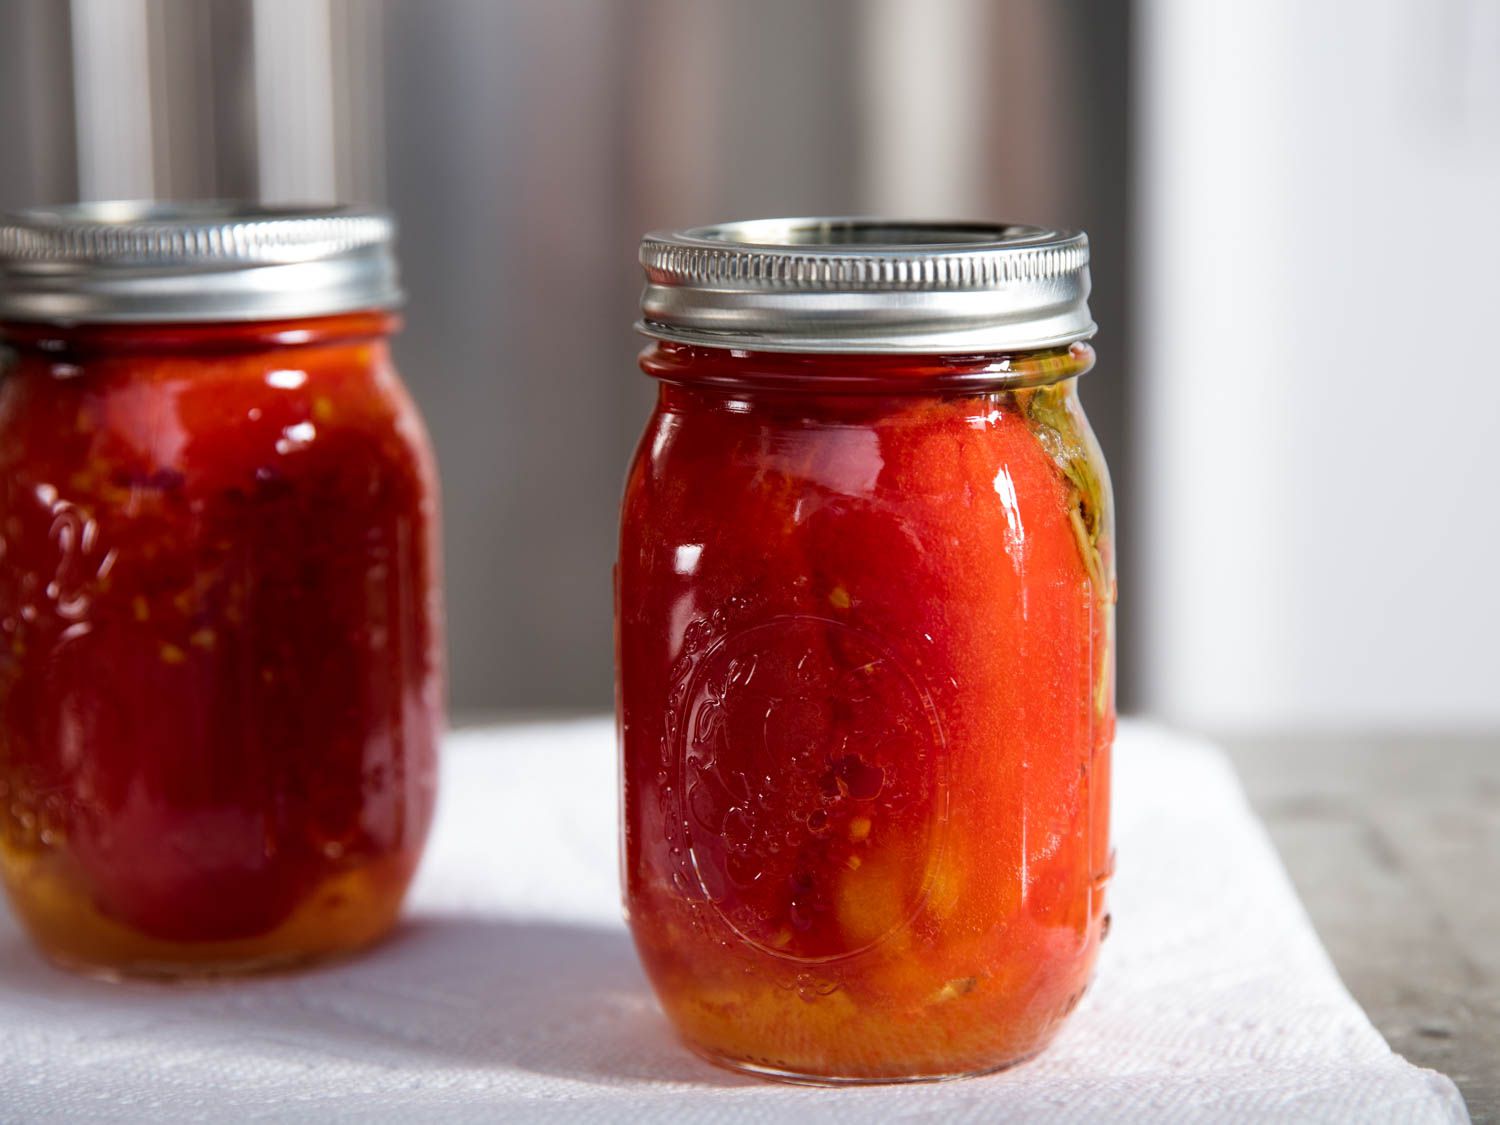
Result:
{"points": [[865, 597], [221, 675]]}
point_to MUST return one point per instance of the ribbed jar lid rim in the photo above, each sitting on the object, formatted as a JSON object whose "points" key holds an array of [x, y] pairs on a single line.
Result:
{"points": [[220, 260], [852, 284]]}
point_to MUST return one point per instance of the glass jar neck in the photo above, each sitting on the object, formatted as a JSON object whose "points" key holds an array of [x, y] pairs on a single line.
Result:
{"points": [[835, 373], [198, 337]]}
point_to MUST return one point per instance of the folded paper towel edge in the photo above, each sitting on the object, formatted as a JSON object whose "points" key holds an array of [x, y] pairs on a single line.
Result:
{"points": [[1205, 751], [1198, 752]]}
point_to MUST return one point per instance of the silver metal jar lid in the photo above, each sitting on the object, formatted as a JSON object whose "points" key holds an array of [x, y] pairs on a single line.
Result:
{"points": [[867, 285], [211, 261]]}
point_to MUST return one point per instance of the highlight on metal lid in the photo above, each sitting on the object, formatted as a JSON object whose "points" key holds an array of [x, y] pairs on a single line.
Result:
{"points": [[205, 261], [867, 285]]}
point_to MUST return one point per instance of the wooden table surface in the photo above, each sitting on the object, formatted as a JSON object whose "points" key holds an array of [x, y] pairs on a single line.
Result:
{"points": [[1394, 846]]}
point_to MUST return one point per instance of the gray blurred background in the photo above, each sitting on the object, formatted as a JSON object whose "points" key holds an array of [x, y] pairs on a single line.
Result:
{"points": [[524, 147], [1292, 212]]}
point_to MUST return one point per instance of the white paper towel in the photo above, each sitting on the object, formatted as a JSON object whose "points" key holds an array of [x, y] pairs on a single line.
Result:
{"points": [[512, 992]]}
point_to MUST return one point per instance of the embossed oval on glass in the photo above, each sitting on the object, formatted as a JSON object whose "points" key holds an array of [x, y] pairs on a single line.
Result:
{"points": [[220, 622], [864, 606], [760, 792]]}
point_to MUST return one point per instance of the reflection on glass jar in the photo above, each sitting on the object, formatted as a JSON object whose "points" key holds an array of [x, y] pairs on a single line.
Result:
{"points": [[220, 630], [864, 642]]}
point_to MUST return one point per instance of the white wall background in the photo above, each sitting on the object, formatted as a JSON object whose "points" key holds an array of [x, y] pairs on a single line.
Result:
{"points": [[1318, 243]]}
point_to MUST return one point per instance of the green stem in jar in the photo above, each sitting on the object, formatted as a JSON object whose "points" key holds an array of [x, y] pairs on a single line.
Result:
{"points": [[1049, 413]]}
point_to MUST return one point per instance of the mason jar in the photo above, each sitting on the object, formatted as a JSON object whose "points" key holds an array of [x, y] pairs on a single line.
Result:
{"points": [[865, 595], [221, 634]]}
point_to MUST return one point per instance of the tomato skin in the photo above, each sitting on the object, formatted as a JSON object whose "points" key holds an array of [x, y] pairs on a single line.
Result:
{"points": [[221, 682], [865, 750]]}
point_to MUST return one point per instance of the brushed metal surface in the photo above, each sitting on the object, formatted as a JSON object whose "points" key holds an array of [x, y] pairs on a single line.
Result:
{"points": [[1393, 844]]}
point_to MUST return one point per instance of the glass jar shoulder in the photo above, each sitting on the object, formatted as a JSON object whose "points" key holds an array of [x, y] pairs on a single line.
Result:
{"points": [[111, 430], [761, 467]]}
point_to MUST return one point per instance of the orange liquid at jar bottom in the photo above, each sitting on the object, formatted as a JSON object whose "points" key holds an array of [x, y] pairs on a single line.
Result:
{"points": [[342, 914], [892, 1023]]}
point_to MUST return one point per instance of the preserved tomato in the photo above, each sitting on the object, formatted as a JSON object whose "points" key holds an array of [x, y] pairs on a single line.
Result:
{"points": [[866, 708], [220, 640]]}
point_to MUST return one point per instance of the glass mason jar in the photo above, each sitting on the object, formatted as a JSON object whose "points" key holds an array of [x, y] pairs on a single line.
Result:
{"points": [[864, 601], [221, 679]]}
